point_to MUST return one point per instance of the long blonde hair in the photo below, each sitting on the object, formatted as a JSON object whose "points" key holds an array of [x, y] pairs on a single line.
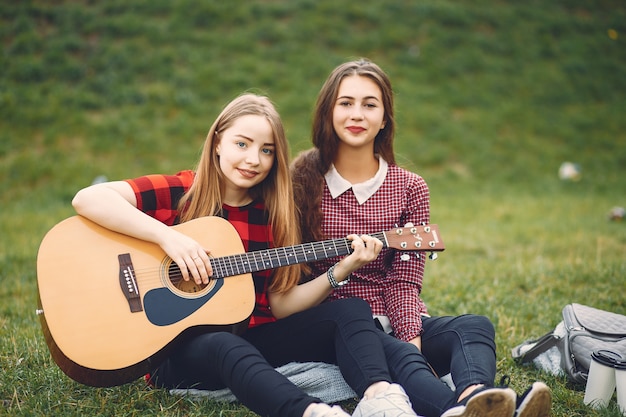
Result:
{"points": [[204, 197]]}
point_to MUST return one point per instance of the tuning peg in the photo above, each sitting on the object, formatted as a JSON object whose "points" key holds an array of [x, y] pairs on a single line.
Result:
{"points": [[405, 257], [409, 224], [433, 256]]}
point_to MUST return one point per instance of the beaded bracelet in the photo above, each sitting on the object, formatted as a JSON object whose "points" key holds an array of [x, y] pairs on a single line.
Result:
{"points": [[332, 280]]}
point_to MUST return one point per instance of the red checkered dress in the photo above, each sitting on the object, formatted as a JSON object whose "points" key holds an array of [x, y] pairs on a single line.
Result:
{"points": [[390, 285]]}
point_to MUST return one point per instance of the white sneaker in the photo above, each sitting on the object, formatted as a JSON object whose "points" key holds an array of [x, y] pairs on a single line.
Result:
{"points": [[325, 410], [489, 402], [392, 403]]}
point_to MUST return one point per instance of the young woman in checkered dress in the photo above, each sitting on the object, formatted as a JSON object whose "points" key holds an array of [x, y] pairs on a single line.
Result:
{"points": [[350, 183]]}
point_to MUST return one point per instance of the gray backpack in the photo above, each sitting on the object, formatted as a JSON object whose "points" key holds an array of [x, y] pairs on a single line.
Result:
{"points": [[583, 330]]}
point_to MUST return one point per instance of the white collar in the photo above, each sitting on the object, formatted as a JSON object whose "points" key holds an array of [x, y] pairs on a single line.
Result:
{"points": [[363, 190]]}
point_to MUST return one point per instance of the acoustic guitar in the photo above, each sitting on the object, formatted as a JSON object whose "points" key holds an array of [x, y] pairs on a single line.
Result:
{"points": [[112, 306]]}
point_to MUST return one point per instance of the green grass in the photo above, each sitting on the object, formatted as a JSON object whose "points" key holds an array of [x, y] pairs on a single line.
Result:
{"points": [[491, 97]]}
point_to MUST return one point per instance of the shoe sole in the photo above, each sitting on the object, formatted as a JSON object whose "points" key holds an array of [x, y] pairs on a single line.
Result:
{"points": [[494, 402], [538, 402]]}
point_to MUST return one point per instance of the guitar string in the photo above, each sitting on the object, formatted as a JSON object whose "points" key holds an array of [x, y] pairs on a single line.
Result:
{"points": [[226, 267]]}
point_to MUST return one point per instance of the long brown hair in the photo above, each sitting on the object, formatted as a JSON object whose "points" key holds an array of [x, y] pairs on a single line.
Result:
{"points": [[309, 167], [204, 198]]}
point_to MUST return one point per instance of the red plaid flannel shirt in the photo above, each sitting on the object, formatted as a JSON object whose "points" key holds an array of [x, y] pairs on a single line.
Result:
{"points": [[158, 196]]}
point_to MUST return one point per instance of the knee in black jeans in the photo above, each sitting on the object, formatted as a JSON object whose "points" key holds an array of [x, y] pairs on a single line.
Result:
{"points": [[205, 361], [357, 307]]}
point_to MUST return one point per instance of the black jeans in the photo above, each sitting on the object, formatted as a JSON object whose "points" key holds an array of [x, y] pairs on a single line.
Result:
{"points": [[341, 332], [463, 346]]}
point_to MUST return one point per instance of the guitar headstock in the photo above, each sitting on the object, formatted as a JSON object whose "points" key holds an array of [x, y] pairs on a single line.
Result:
{"points": [[424, 238]]}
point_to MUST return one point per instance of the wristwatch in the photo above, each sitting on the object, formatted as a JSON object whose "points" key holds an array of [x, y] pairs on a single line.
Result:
{"points": [[333, 281]]}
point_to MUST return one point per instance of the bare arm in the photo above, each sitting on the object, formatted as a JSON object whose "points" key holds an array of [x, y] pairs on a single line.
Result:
{"points": [[304, 296], [417, 342], [113, 205]]}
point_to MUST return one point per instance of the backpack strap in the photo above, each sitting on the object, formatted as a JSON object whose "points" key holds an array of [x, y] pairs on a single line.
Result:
{"points": [[537, 347]]}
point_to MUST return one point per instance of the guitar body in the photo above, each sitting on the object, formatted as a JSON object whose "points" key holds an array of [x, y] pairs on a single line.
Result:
{"points": [[97, 334]]}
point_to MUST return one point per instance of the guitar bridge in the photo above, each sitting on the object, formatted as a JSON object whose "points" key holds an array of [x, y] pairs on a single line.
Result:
{"points": [[128, 283]]}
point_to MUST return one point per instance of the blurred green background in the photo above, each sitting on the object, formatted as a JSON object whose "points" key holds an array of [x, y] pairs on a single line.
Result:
{"points": [[491, 98], [493, 92]]}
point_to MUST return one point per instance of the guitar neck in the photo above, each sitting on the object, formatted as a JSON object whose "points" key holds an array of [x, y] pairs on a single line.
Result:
{"points": [[260, 260]]}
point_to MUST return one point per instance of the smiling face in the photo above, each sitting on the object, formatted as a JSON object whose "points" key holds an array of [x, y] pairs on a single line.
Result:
{"points": [[358, 113], [246, 155]]}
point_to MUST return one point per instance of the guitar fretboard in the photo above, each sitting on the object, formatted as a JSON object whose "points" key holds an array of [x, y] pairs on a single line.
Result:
{"points": [[260, 260]]}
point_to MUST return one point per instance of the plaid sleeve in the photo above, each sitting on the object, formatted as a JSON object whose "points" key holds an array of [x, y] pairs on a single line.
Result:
{"points": [[158, 195], [404, 304]]}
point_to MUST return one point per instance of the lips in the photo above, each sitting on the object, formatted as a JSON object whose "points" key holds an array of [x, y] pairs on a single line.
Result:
{"points": [[247, 174], [356, 129]]}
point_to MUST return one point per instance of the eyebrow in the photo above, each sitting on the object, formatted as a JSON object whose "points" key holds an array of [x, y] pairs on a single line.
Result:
{"points": [[364, 98], [242, 136]]}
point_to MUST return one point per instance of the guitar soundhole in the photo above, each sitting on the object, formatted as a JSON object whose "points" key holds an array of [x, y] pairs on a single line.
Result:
{"points": [[176, 278]]}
